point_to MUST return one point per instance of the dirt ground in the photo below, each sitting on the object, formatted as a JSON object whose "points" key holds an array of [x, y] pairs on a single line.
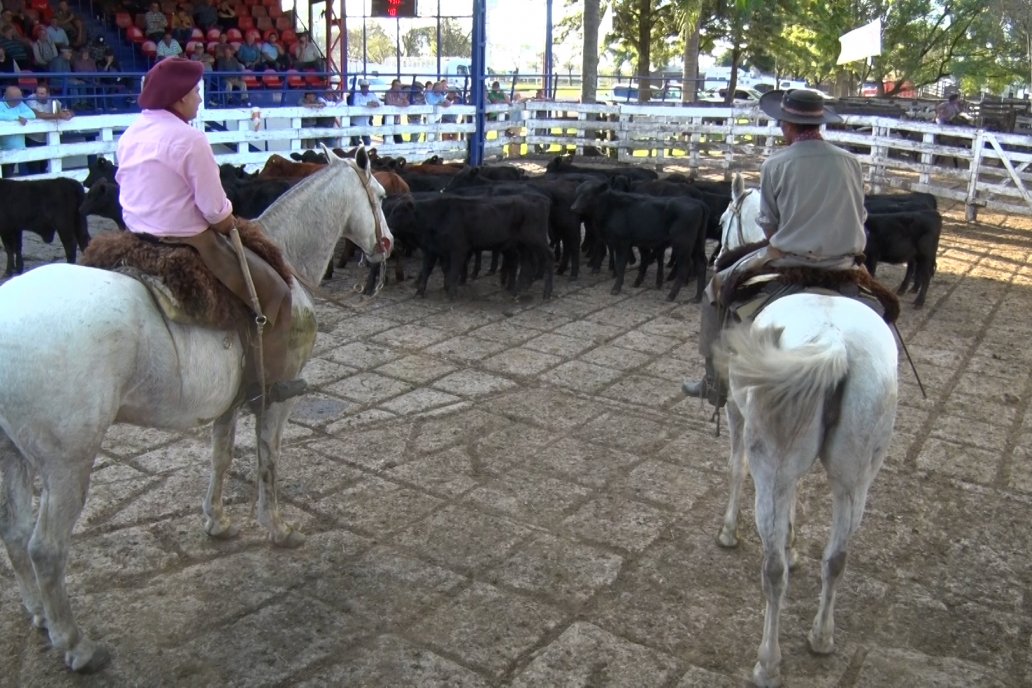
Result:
{"points": [[517, 494]]}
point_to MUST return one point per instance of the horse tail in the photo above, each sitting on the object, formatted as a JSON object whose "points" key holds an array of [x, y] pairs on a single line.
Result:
{"points": [[791, 383]]}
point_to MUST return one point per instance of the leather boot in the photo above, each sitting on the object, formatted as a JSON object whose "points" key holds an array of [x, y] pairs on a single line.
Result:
{"points": [[711, 387]]}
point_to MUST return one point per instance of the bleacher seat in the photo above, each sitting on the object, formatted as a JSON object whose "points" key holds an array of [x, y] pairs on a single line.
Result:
{"points": [[149, 49], [141, 20], [43, 8], [294, 79], [214, 33], [274, 11], [27, 80], [211, 46], [242, 11], [271, 79], [251, 81], [234, 35], [135, 34], [253, 32], [314, 80], [197, 34], [123, 20], [245, 23], [284, 22], [258, 12], [288, 36], [235, 45], [263, 24]]}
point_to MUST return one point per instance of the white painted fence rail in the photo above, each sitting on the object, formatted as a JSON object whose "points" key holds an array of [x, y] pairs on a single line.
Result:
{"points": [[977, 167]]}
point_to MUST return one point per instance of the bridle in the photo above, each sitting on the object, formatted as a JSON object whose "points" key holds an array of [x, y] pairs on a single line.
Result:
{"points": [[383, 244]]}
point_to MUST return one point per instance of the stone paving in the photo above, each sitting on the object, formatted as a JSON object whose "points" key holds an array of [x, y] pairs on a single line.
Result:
{"points": [[516, 494]]}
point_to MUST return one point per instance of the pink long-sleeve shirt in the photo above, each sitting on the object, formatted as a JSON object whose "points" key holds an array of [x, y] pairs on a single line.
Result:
{"points": [[168, 178]]}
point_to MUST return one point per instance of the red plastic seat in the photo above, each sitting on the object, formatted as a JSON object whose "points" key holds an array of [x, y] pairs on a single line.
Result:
{"points": [[288, 36], [251, 81], [259, 11], [263, 24], [211, 46], [149, 49], [141, 20], [294, 79], [197, 34], [234, 35], [27, 80], [284, 22], [254, 32], [270, 3], [190, 45], [214, 33], [274, 11], [235, 45], [245, 23], [313, 79], [271, 79], [135, 34], [123, 20]]}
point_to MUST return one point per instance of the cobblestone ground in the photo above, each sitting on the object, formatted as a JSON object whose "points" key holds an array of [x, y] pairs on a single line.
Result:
{"points": [[516, 494]]}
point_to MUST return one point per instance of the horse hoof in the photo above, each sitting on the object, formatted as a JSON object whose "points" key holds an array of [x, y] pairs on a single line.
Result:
{"points": [[39, 622], [820, 647], [87, 658], [291, 540], [727, 540], [221, 530], [762, 679]]}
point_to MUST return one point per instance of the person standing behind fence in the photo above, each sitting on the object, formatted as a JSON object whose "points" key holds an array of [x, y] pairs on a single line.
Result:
{"points": [[416, 97], [948, 110], [12, 109], [396, 97], [46, 108], [364, 98]]}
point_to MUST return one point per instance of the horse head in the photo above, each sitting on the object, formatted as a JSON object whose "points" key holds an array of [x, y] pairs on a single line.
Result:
{"points": [[738, 224], [369, 232]]}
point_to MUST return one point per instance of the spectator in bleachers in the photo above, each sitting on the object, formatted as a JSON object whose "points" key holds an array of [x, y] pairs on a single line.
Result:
{"points": [[98, 48], [84, 63], [249, 53], [205, 15], [8, 68], [182, 26], [169, 47], [226, 13], [308, 55], [58, 35], [364, 98], [416, 97], [72, 25], [273, 53], [225, 61], [201, 55], [115, 86], [63, 61], [43, 49], [155, 22], [12, 109], [21, 24], [17, 47]]}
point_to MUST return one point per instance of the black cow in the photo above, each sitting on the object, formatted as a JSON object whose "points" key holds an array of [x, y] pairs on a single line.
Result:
{"points": [[101, 168], [42, 206], [652, 224], [894, 203], [250, 197], [102, 200], [910, 237], [564, 165], [449, 228]]}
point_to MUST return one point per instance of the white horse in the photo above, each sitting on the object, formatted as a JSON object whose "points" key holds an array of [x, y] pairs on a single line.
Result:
{"points": [[738, 223], [84, 348], [814, 376]]}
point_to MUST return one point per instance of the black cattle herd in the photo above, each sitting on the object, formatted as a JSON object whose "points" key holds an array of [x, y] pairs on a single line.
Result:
{"points": [[534, 226]]}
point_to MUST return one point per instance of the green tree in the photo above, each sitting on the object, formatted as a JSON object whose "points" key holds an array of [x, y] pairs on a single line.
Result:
{"points": [[456, 40], [379, 47]]}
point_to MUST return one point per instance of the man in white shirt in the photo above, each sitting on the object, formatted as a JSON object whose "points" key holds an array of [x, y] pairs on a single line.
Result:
{"points": [[364, 98], [168, 47], [46, 108]]}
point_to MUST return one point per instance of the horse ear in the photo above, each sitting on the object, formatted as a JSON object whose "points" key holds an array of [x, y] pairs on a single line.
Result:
{"points": [[362, 158], [331, 157]]}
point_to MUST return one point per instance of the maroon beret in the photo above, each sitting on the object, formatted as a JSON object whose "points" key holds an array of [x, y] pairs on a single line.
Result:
{"points": [[168, 81]]}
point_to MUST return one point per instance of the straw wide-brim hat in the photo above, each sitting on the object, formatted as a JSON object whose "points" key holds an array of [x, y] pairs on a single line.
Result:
{"points": [[800, 106]]}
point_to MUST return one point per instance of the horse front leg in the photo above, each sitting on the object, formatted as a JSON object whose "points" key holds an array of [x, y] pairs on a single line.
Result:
{"points": [[223, 435], [728, 536], [281, 533]]}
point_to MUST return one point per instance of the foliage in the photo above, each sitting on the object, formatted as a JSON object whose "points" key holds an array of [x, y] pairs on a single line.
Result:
{"points": [[456, 41]]}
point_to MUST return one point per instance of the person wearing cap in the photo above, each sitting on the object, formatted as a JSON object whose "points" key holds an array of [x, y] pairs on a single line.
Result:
{"points": [[170, 189], [364, 98], [811, 211]]}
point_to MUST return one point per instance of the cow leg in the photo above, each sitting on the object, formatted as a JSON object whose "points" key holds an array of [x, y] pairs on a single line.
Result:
{"points": [[679, 275], [923, 272], [429, 260], [619, 266], [477, 258], [223, 432], [8, 242], [643, 268], [549, 274], [911, 268], [399, 269], [495, 257], [574, 254], [659, 266], [453, 272], [68, 242], [19, 258], [700, 276]]}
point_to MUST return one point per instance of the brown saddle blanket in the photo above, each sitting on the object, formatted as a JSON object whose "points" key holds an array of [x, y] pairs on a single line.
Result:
{"points": [[201, 296], [758, 290]]}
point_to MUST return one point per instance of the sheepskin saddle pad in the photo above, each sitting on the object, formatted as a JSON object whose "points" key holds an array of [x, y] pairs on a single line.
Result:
{"points": [[183, 287]]}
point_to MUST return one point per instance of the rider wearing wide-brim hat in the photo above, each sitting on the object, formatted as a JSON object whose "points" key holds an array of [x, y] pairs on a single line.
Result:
{"points": [[169, 188], [811, 211]]}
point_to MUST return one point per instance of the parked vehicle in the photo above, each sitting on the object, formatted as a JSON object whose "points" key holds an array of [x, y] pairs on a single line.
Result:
{"points": [[743, 96], [628, 93]]}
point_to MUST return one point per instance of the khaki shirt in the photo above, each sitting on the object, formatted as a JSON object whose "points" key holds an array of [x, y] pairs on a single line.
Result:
{"points": [[812, 203]]}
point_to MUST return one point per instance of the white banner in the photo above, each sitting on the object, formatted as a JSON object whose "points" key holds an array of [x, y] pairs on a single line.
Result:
{"points": [[861, 43]]}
